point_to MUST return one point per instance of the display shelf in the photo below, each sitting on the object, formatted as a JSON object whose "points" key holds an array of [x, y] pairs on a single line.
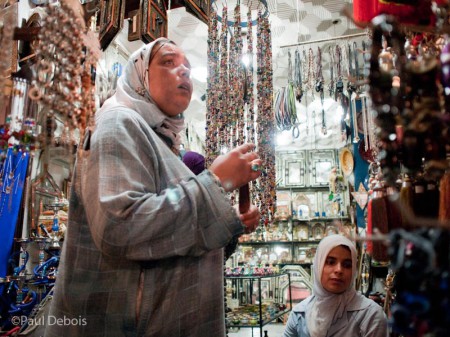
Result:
{"points": [[257, 300], [302, 188], [262, 243]]}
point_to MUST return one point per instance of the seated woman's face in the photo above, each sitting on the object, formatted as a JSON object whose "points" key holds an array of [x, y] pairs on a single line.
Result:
{"points": [[337, 270], [169, 79]]}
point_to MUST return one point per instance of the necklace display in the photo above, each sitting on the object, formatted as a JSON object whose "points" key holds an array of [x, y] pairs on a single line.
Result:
{"points": [[231, 116], [284, 108], [231, 119]]}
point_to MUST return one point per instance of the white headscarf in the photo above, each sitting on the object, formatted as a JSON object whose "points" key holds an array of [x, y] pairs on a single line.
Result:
{"points": [[133, 92], [327, 308]]}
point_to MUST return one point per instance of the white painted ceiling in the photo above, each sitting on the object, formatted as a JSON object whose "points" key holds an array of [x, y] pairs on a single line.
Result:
{"points": [[292, 22]]}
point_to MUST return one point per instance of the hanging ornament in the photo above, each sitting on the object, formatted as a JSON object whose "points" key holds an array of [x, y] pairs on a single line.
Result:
{"points": [[361, 196], [67, 55]]}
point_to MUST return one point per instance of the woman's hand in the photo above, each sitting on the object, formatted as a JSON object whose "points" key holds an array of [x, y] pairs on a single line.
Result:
{"points": [[250, 219], [237, 167]]}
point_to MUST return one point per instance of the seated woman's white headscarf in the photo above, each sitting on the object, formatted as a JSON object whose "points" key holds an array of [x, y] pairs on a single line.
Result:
{"points": [[327, 308], [133, 92]]}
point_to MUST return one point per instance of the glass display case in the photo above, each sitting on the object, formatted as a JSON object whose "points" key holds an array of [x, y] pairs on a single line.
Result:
{"points": [[255, 301]]}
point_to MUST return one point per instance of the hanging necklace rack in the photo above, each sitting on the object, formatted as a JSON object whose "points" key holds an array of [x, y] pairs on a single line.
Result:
{"points": [[343, 37]]}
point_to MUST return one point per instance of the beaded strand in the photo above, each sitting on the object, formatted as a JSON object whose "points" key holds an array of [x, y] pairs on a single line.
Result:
{"points": [[265, 121], [212, 91], [231, 118]]}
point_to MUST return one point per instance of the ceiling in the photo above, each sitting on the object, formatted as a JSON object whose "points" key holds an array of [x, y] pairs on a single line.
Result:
{"points": [[291, 22]]}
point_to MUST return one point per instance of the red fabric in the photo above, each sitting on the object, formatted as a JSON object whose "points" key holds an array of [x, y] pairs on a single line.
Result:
{"points": [[365, 10]]}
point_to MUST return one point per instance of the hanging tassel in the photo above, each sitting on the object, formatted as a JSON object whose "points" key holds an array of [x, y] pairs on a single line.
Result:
{"points": [[379, 222], [394, 215], [432, 196], [420, 202], [406, 198], [444, 198]]}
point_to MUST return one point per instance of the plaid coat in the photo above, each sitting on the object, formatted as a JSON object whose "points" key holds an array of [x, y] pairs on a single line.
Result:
{"points": [[139, 219]]}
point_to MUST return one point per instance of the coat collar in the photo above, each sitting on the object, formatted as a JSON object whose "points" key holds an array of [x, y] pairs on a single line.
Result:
{"points": [[358, 302]]}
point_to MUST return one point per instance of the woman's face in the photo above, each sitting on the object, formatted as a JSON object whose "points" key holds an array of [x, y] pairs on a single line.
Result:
{"points": [[337, 270], [169, 79]]}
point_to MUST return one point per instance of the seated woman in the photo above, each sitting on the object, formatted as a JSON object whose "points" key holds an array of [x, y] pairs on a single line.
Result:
{"points": [[335, 308]]}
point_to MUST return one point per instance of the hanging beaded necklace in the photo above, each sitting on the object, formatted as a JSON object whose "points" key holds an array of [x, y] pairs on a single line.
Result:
{"points": [[311, 71], [339, 90], [339, 83], [305, 67], [298, 76], [249, 97], [212, 91], [351, 85], [222, 104], [319, 88], [265, 122], [331, 87]]}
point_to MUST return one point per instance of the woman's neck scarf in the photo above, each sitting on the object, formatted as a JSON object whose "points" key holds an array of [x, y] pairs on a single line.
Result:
{"points": [[326, 308], [133, 92]]}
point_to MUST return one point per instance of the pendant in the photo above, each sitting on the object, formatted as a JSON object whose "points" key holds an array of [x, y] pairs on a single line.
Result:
{"points": [[339, 86], [298, 93]]}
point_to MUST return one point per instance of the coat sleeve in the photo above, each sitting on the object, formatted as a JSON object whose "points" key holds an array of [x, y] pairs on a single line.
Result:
{"points": [[137, 205]]}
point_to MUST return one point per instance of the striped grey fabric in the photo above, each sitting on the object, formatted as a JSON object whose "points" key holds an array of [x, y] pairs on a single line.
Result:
{"points": [[139, 217]]}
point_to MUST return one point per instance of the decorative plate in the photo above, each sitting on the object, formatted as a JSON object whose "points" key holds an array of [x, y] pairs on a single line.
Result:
{"points": [[346, 161]]}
